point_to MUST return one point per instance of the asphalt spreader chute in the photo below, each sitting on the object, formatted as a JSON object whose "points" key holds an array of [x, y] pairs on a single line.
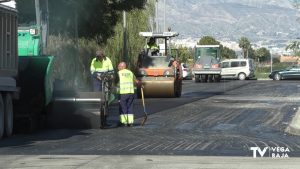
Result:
{"points": [[77, 110], [42, 105], [82, 109], [35, 91]]}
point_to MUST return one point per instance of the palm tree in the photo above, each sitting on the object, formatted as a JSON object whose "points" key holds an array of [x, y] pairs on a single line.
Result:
{"points": [[244, 43], [294, 46]]}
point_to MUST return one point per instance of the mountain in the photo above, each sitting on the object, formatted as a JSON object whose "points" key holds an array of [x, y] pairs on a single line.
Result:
{"points": [[258, 20]]}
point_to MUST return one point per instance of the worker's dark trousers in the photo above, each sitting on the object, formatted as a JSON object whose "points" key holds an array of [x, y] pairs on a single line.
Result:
{"points": [[97, 85], [126, 104]]}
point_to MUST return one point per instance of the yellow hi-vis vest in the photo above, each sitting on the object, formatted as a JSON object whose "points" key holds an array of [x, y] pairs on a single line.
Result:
{"points": [[152, 47], [126, 81], [104, 66]]}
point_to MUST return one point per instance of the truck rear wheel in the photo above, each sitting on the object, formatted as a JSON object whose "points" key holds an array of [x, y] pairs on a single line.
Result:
{"points": [[8, 115], [217, 78], [1, 116], [197, 78], [209, 78], [203, 78]]}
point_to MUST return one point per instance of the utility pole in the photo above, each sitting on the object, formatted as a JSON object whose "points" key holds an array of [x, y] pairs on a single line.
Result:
{"points": [[38, 13], [164, 16], [271, 62], [156, 15], [42, 22], [76, 46], [125, 52]]}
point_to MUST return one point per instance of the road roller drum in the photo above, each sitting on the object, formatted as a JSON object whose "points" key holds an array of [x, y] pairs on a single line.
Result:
{"points": [[159, 87]]}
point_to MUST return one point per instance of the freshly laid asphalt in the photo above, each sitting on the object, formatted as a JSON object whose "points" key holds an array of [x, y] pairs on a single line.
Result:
{"points": [[211, 121]]}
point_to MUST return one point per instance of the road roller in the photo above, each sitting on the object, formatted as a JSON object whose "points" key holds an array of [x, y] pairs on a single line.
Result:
{"points": [[160, 72]]}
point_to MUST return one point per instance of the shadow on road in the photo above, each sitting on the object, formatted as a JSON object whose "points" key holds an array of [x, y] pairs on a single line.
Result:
{"points": [[25, 140]]}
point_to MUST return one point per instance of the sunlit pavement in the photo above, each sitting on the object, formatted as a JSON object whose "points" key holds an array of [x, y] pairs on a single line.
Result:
{"points": [[145, 162]]}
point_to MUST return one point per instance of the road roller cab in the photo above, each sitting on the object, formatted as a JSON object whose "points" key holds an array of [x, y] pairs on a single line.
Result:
{"points": [[160, 73]]}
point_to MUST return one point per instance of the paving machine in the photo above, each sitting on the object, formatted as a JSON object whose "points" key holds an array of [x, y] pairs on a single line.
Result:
{"points": [[160, 73], [61, 107], [37, 102]]}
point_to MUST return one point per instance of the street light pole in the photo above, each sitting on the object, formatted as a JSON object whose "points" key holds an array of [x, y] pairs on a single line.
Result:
{"points": [[156, 15], [164, 15], [125, 53], [271, 62]]}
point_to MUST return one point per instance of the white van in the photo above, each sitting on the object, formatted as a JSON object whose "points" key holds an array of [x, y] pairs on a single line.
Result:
{"points": [[237, 68]]}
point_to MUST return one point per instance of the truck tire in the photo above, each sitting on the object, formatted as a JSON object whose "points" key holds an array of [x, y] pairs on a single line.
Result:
{"points": [[197, 78], [217, 78], [8, 115], [209, 78], [1, 116], [203, 78]]}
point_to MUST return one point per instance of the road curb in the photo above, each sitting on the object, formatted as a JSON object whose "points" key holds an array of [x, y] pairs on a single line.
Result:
{"points": [[294, 127], [264, 79]]}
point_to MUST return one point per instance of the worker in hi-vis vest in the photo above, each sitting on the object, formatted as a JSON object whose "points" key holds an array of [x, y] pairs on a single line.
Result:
{"points": [[100, 64], [127, 82], [152, 47]]}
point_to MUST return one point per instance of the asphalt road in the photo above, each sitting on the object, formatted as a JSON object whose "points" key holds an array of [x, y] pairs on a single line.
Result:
{"points": [[210, 119]]}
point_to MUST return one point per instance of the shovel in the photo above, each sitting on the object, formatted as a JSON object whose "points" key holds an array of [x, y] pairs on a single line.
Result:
{"points": [[146, 115]]}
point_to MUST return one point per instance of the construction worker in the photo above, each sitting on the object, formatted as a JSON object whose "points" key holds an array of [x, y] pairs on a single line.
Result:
{"points": [[100, 64], [152, 47], [127, 82]]}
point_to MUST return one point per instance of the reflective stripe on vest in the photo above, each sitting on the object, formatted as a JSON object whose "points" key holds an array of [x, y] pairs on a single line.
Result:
{"points": [[153, 47], [127, 119], [126, 81]]}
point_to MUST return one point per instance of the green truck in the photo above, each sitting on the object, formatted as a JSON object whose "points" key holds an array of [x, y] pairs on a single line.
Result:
{"points": [[25, 85], [207, 63]]}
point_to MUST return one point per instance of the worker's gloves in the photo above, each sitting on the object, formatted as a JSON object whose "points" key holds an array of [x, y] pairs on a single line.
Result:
{"points": [[139, 83], [95, 75]]}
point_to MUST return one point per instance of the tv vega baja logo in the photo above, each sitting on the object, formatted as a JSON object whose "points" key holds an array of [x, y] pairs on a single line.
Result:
{"points": [[272, 152]]}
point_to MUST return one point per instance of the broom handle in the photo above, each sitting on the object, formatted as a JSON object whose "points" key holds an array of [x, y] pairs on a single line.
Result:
{"points": [[142, 92]]}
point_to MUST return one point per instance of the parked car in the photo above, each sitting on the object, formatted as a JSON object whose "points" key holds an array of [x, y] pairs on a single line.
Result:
{"points": [[237, 68], [292, 72], [186, 71]]}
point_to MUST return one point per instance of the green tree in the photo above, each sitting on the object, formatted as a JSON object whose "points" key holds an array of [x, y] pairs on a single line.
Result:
{"points": [[262, 54], [92, 18], [228, 53], [64, 48], [251, 53], [185, 54], [208, 40], [295, 47], [135, 43], [244, 43], [225, 51]]}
